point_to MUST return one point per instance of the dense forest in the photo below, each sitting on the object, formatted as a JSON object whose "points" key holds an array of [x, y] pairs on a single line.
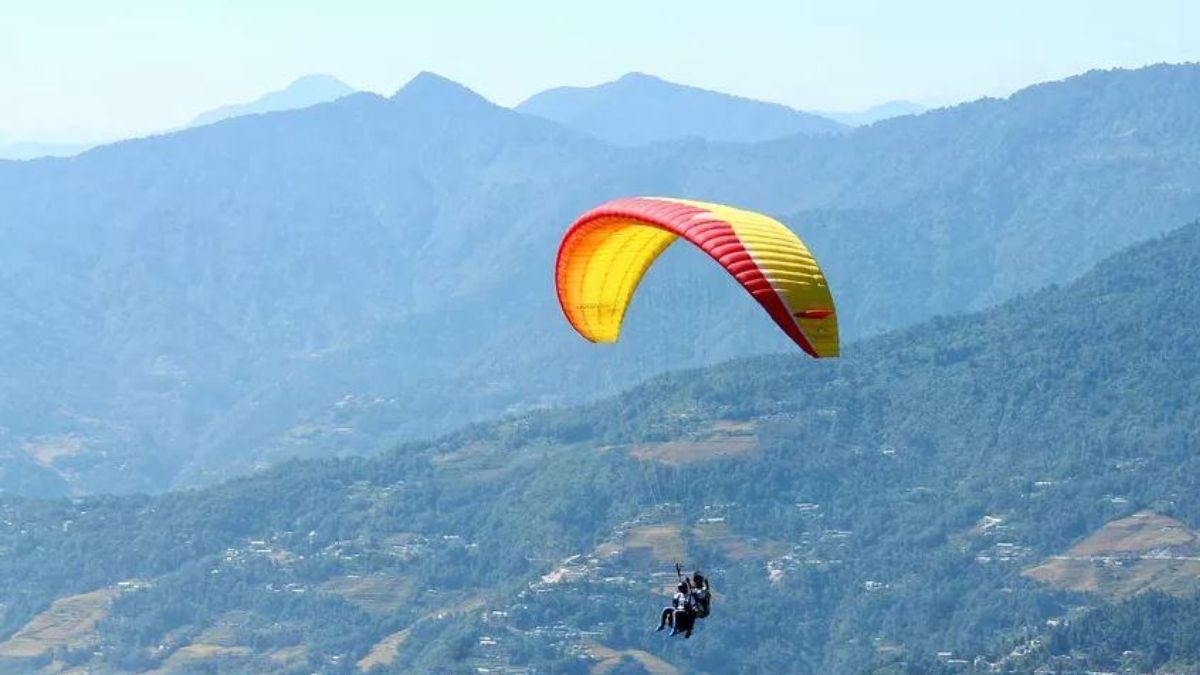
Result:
{"points": [[183, 308], [1153, 632], [877, 511]]}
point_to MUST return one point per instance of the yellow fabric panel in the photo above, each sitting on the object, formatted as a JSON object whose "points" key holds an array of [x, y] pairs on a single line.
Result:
{"points": [[789, 267], [602, 269]]}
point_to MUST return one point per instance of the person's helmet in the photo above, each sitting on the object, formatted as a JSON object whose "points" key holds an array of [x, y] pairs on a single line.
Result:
{"points": [[682, 587], [696, 577]]}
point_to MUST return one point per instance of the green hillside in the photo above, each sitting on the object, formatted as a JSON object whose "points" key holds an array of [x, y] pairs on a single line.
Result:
{"points": [[329, 281], [1153, 632], [878, 509]]}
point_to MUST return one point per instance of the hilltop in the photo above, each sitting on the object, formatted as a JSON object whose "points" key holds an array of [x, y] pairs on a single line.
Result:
{"points": [[301, 93], [637, 109]]}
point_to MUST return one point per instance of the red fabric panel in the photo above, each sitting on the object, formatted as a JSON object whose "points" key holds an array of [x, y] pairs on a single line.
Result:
{"points": [[715, 237]]}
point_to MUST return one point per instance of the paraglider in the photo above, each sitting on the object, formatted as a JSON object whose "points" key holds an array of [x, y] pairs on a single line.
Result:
{"points": [[606, 252], [692, 601], [680, 615], [608, 249], [701, 592]]}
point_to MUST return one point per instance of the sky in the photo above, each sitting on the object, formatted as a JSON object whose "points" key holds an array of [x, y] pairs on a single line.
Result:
{"points": [[76, 69]]}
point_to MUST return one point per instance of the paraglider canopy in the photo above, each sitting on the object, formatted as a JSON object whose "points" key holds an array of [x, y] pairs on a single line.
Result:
{"points": [[605, 253]]}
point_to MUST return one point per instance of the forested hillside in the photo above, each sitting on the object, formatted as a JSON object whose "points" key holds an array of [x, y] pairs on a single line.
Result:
{"points": [[329, 281], [1153, 632], [867, 512]]}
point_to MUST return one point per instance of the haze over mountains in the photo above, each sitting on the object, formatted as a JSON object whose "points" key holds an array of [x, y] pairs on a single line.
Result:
{"points": [[33, 149], [638, 109], [302, 93], [903, 497], [876, 113], [632, 110], [328, 280]]}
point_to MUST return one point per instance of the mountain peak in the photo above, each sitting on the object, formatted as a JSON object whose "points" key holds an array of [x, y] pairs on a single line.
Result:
{"points": [[303, 92], [636, 76], [639, 108], [430, 87], [318, 82]]}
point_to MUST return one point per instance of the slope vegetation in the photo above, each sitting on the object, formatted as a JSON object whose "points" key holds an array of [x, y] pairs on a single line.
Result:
{"points": [[898, 495], [330, 280]]}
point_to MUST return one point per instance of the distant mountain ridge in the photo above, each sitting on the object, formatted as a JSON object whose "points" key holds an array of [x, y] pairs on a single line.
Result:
{"points": [[875, 113], [637, 109], [20, 150], [327, 281], [303, 92], [60, 142]]}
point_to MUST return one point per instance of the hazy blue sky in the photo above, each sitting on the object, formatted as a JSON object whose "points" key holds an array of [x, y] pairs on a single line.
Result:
{"points": [[126, 66]]}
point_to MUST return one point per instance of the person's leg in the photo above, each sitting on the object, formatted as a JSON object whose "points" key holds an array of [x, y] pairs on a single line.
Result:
{"points": [[665, 618], [684, 622]]}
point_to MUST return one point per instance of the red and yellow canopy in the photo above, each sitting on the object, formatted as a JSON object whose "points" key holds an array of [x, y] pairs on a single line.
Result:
{"points": [[606, 252]]}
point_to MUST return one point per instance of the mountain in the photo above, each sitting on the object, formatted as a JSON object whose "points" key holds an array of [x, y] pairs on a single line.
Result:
{"points": [[876, 113], [329, 281], [638, 109], [874, 511], [304, 92], [33, 149], [58, 142], [221, 295]]}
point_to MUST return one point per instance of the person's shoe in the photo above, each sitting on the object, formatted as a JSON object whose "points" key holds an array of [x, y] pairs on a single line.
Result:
{"points": [[687, 635], [660, 627]]}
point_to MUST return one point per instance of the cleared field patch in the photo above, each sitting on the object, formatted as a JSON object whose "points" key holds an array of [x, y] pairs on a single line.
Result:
{"points": [[1178, 577], [224, 632], [374, 593], [69, 623], [474, 455], [479, 463], [662, 542], [608, 659], [1143, 531], [385, 651], [185, 659], [288, 656], [725, 440], [733, 426], [1145, 551], [736, 546], [1119, 579], [1072, 575], [45, 450], [608, 549]]}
